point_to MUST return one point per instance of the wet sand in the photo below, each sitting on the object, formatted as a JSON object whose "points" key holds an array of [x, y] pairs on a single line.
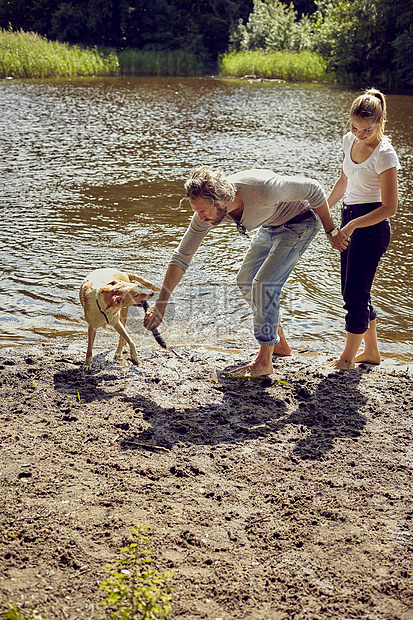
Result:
{"points": [[283, 498]]}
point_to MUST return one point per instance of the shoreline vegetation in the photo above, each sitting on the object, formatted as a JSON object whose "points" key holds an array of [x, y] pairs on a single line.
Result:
{"points": [[30, 55], [302, 66]]}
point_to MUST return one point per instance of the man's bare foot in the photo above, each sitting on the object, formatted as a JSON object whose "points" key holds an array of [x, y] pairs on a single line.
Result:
{"points": [[282, 349], [340, 364], [252, 370], [368, 358]]}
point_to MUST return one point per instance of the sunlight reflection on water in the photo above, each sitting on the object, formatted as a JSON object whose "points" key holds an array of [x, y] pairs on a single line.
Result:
{"points": [[92, 175]]}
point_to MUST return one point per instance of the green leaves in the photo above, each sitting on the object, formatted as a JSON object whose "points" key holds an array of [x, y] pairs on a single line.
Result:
{"points": [[135, 590]]}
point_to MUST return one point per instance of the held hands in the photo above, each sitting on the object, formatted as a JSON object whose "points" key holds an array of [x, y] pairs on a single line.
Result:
{"points": [[154, 315], [341, 240]]}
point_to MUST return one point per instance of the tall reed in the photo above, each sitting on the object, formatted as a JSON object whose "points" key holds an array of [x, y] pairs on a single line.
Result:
{"points": [[176, 62], [27, 54], [290, 66]]}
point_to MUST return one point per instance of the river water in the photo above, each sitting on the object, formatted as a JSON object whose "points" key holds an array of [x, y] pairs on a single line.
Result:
{"points": [[92, 171]]}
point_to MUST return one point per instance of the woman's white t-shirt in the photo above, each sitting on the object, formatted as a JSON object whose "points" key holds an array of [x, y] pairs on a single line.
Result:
{"points": [[363, 179]]}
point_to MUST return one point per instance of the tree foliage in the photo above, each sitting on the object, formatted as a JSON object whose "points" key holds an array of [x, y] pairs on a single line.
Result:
{"points": [[199, 26], [272, 26], [362, 41]]}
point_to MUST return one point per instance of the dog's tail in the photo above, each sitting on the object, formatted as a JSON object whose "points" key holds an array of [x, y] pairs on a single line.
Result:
{"points": [[133, 278]]}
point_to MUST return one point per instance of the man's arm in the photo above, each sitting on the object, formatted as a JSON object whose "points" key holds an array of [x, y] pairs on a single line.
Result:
{"points": [[154, 316], [180, 261], [340, 241]]}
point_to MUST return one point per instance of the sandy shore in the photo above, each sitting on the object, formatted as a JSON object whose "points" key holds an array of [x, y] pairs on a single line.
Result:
{"points": [[276, 499]]}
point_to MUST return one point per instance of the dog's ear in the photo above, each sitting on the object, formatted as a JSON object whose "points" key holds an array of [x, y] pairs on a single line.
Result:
{"points": [[116, 301], [113, 295]]}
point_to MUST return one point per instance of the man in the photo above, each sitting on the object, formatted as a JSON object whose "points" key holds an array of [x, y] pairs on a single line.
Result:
{"points": [[287, 211]]}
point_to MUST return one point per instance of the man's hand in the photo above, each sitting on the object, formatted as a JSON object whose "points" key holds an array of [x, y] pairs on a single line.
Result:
{"points": [[154, 315], [340, 241]]}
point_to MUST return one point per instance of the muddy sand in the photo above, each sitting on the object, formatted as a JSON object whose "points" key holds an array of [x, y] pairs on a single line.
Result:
{"points": [[268, 500]]}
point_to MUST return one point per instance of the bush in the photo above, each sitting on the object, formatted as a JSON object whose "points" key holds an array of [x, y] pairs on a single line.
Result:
{"points": [[366, 41], [289, 66], [403, 44], [272, 26]]}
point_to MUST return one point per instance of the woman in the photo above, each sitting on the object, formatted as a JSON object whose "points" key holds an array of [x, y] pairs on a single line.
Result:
{"points": [[368, 183]]}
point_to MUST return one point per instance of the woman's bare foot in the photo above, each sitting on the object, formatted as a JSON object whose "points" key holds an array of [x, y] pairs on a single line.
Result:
{"points": [[369, 358], [340, 364], [256, 369], [371, 353], [347, 360]]}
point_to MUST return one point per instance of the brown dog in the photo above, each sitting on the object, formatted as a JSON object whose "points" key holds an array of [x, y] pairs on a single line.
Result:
{"points": [[106, 295]]}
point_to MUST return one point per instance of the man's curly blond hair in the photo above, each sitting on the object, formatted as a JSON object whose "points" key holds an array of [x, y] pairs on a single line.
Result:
{"points": [[211, 184]]}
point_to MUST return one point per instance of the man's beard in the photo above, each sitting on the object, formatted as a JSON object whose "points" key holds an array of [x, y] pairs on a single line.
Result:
{"points": [[221, 213]]}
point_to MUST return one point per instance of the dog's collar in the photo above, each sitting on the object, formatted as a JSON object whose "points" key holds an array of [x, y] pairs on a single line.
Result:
{"points": [[100, 310]]}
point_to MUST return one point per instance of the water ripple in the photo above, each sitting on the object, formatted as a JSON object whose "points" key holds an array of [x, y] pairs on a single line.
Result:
{"points": [[91, 174]]}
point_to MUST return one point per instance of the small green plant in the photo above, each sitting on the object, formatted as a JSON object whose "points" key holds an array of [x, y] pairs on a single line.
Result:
{"points": [[78, 398], [135, 590], [9, 611]]}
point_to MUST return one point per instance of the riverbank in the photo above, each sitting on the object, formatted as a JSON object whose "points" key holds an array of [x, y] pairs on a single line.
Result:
{"points": [[29, 55], [282, 498]]}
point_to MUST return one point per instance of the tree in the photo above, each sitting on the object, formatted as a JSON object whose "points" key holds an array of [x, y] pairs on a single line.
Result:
{"points": [[398, 18], [272, 26], [32, 15], [363, 42]]}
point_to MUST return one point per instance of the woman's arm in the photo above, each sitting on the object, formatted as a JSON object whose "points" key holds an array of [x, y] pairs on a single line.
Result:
{"points": [[338, 190], [389, 197]]}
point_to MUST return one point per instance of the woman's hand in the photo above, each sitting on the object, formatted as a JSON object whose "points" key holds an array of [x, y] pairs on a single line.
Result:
{"points": [[349, 228]]}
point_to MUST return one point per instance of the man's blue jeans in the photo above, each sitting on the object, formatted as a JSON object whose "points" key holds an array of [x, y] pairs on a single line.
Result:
{"points": [[273, 254]]}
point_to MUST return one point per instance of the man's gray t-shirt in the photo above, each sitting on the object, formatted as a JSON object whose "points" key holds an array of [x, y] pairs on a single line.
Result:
{"points": [[269, 199]]}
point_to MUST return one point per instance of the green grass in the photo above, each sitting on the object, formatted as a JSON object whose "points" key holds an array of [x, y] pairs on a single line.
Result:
{"points": [[177, 62], [290, 66], [10, 611], [27, 54]]}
